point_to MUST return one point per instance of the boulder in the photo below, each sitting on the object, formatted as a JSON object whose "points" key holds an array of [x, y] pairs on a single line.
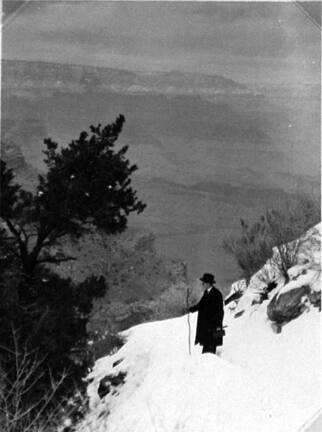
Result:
{"points": [[104, 387], [109, 382], [277, 328], [288, 305], [315, 299]]}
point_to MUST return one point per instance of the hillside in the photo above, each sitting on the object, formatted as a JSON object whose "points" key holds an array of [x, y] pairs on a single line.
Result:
{"points": [[142, 284], [265, 377], [25, 173]]}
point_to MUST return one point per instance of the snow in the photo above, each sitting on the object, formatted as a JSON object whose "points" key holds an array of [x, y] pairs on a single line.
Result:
{"points": [[258, 378], [258, 381], [310, 277]]}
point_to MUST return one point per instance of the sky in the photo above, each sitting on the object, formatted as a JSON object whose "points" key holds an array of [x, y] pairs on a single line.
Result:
{"points": [[250, 42]]}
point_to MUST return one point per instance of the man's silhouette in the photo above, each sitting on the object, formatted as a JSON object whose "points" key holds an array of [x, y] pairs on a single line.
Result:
{"points": [[210, 316]]}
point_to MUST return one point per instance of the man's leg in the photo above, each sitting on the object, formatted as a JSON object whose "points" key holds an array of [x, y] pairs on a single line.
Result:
{"points": [[209, 348]]}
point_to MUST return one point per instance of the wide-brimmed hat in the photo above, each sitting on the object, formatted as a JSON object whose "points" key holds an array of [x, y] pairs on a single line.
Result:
{"points": [[208, 278]]}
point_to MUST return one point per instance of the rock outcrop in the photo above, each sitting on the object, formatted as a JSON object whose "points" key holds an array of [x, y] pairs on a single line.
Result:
{"points": [[285, 307]]}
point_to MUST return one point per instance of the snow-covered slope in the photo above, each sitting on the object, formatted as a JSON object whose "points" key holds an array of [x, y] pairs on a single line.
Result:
{"points": [[259, 381]]}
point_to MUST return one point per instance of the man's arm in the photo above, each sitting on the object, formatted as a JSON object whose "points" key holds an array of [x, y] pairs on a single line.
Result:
{"points": [[194, 308]]}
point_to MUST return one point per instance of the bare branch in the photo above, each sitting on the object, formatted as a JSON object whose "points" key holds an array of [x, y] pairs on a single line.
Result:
{"points": [[15, 414], [53, 260]]}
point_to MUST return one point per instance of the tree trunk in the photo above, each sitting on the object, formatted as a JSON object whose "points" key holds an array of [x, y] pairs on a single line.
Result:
{"points": [[29, 263]]}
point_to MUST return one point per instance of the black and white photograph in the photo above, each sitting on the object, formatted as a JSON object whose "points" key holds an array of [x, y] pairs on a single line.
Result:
{"points": [[160, 216]]}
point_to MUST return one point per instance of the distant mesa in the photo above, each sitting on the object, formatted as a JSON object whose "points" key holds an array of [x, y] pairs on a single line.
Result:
{"points": [[30, 74]]}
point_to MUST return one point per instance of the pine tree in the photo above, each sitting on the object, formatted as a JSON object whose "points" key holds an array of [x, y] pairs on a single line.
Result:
{"points": [[88, 183], [43, 317]]}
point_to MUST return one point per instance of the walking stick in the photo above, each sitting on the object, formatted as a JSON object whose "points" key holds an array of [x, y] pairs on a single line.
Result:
{"points": [[188, 318]]}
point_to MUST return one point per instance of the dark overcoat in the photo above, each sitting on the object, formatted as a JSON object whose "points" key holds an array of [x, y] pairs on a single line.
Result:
{"points": [[210, 317]]}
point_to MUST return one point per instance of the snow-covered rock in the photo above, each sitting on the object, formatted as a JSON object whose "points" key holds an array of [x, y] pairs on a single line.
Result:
{"points": [[307, 272], [287, 306]]}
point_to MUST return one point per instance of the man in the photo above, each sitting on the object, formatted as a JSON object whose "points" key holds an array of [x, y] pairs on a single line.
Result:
{"points": [[210, 316]]}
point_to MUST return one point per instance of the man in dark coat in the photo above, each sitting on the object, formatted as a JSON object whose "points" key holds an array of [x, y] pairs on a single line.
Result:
{"points": [[210, 316]]}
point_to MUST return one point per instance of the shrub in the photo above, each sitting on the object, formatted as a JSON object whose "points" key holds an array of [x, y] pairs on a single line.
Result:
{"points": [[287, 226], [252, 248], [19, 381], [48, 321], [282, 228]]}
